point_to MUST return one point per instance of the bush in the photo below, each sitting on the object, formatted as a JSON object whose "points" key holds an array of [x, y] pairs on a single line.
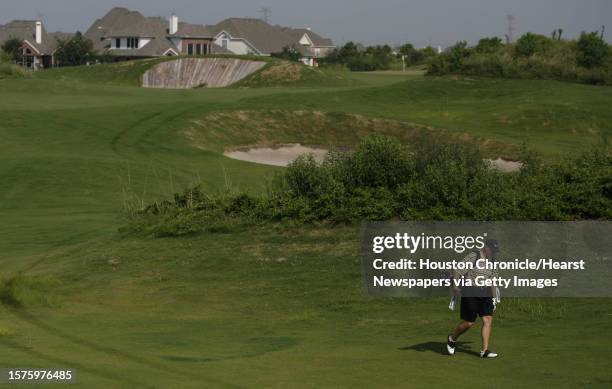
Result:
{"points": [[532, 57], [289, 54], [75, 51], [12, 49], [8, 70], [489, 45], [592, 50], [531, 44], [370, 59], [382, 180]]}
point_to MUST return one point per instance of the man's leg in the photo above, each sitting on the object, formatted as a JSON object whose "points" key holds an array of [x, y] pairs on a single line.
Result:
{"points": [[487, 324], [461, 328]]}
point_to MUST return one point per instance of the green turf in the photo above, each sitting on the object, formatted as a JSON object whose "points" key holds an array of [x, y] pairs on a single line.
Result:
{"points": [[261, 307]]}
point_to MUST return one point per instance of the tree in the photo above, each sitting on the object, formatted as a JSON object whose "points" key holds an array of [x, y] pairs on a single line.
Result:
{"points": [[289, 54], [75, 51], [348, 51], [12, 48], [530, 44], [592, 50], [489, 45], [428, 53], [412, 56]]}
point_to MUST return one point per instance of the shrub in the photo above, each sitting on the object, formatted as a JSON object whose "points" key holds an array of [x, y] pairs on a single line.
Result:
{"points": [[288, 53], [489, 45], [533, 57], [12, 49], [530, 44], [592, 50]]}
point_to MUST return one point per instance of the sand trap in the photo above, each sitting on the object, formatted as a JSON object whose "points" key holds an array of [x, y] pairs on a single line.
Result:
{"points": [[282, 155], [504, 165]]}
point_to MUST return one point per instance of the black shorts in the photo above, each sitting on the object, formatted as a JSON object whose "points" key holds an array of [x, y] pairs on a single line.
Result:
{"points": [[472, 307]]}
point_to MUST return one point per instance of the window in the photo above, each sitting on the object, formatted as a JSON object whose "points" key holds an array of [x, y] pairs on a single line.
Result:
{"points": [[132, 43], [190, 49], [118, 43], [198, 49], [224, 43]]}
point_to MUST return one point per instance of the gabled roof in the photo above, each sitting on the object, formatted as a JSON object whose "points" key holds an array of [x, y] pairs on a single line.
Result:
{"points": [[25, 30], [121, 22], [189, 30], [267, 39], [316, 39]]}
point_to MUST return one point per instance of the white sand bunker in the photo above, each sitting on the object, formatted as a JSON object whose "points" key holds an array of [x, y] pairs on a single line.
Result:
{"points": [[504, 165], [281, 155]]}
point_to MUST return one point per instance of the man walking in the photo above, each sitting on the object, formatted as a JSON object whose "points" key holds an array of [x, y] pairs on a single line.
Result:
{"points": [[476, 301]]}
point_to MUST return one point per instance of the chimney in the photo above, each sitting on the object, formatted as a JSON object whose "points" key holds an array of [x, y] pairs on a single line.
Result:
{"points": [[38, 32], [173, 28]]}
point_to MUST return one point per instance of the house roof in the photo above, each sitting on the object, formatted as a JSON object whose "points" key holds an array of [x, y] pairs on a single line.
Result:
{"points": [[121, 22], [268, 39], [25, 30], [316, 39], [265, 38], [189, 30]]}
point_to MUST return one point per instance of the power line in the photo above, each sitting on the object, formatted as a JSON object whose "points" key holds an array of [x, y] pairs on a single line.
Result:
{"points": [[511, 28], [265, 12]]}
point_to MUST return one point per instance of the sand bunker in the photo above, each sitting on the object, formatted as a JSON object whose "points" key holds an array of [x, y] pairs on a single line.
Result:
{"points": [[504, 165], [281, 155]]}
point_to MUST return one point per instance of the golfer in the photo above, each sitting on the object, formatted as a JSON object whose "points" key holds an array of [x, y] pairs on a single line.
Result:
{"points": [[476, 301]]}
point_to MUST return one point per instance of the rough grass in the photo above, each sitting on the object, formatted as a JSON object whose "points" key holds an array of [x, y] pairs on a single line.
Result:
{"points": [[228, 130], [8, 70], [259, 307]]}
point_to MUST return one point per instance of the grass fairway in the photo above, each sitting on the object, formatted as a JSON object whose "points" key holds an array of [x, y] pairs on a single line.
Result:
{"points": [[267, 307]]}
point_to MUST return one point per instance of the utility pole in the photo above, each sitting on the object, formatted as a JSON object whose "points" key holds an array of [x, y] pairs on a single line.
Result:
{"points": [[266, 12], [511, 28]]}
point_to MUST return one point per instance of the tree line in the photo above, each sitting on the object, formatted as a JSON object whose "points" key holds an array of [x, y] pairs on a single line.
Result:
{"points": [[587, 59]]}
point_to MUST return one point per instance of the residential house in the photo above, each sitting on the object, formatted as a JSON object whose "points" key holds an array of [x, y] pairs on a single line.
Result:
{"points": [[38, 46], [311, 45], [128, 34], [256, 37]]}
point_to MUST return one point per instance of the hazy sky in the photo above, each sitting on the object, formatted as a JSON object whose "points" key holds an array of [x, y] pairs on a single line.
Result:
{"points": [[435, 22]]}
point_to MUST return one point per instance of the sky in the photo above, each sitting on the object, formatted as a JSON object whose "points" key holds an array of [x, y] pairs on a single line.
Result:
{"points": [[421, 22]]}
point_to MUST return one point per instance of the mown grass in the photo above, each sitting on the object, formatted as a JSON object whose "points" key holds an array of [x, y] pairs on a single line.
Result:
{"points": [[260, 306]]}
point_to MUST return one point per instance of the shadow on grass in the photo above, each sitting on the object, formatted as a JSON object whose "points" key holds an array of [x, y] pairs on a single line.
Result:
{"points": [[440, 348]]}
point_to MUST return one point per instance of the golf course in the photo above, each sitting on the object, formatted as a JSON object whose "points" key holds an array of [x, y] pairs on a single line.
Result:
{"points": [[271, 305]]}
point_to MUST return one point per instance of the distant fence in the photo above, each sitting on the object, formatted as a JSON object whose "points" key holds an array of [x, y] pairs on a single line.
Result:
{"points": [[187, 73]]}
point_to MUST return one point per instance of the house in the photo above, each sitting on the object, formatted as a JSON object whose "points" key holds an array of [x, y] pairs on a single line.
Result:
{"points": [[256, 37], [128, 34], [311, 45], [38, 46]]}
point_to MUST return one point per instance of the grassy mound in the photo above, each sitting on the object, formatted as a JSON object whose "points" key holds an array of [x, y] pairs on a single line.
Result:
{"points": [[127, 73], [285, 73], [120, 73], [218, 131]]}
